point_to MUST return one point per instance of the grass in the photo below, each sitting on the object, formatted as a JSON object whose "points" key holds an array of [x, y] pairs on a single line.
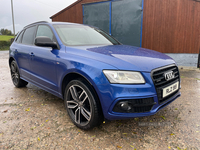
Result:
{"points": [[5, 37]]}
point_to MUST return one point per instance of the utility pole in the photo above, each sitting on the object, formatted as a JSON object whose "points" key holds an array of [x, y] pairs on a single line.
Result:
{"points": [[13, 18]]}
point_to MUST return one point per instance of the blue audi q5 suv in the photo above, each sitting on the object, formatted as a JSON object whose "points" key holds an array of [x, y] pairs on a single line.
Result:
{"points": [[98, 77]]}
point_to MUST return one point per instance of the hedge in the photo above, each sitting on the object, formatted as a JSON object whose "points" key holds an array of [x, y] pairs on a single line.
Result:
{"points": [[4, 45]]}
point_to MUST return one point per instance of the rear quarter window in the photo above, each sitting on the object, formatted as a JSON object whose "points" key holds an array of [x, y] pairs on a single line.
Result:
{"points": [[19, 38]]}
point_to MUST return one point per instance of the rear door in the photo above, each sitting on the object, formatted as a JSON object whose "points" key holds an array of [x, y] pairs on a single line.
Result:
{"points": [[43, 62], [22, 49]]}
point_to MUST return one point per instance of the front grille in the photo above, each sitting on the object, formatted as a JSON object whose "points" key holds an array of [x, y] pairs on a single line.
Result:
{"points": [[160, 82], [136, 105]]}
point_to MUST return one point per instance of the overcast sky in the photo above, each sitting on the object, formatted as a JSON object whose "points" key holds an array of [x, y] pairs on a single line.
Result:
{"points": [[29, 11]]}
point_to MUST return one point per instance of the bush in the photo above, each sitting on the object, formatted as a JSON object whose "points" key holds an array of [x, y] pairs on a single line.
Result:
{"points": [[4, 45]]}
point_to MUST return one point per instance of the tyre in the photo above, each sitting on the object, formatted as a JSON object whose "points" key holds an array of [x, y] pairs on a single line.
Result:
{"points": [[16, 76], [82, 105]]}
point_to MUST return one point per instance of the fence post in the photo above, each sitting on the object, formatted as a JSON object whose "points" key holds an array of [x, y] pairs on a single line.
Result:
{"points": [[198, 63]]}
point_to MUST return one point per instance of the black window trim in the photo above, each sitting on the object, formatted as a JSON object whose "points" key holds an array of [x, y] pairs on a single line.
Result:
{"points": [[21, 32]]}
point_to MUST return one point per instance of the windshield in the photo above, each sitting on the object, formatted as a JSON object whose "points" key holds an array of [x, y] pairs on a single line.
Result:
{"points": [[78, 35]]}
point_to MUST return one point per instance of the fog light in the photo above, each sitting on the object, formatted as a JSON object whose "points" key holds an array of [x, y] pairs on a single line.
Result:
{"points": [[125, 106]]}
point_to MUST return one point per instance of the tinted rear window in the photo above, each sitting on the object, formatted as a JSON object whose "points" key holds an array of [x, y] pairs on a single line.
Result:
{"points": [[29, 36]]}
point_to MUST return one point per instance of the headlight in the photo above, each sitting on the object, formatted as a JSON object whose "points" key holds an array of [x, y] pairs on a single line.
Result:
{"points": [[124, 77]]}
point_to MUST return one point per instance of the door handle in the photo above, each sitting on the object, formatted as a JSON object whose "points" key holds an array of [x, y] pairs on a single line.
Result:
{"points": [[32, 54], [16, 51]]}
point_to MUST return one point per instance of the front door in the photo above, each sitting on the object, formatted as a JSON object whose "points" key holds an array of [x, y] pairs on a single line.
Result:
{"points": [[43, 62]]}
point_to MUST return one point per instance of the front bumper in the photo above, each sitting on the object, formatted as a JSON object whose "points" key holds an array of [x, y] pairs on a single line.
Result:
{"points": [[115, 115], [111, 94]]}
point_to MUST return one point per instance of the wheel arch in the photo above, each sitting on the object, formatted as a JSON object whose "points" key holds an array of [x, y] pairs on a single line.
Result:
{"points": [[10, 60], [76, 75], [72, 76]]}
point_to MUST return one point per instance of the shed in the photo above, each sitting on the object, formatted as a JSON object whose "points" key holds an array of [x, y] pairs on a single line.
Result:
{"points": [[168, 26]]}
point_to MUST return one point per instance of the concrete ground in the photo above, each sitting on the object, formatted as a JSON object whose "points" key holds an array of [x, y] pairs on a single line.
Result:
{"points": [[31, 118]]}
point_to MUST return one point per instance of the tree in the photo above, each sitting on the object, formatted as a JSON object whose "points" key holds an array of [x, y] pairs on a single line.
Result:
{"points": [[6, 32]]}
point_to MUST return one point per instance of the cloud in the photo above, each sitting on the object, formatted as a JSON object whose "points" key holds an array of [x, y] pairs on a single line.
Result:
{"points": [[4, 20], [26, 12]]}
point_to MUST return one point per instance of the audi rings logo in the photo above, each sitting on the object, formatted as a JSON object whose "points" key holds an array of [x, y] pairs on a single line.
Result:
{"points": [[169, 75]]}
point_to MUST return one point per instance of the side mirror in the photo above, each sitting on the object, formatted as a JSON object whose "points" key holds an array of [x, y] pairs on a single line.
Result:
{"points": [[45, 42]]}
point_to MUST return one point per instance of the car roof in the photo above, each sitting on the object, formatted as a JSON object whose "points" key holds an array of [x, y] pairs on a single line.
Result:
{"points": [[45, 22]]}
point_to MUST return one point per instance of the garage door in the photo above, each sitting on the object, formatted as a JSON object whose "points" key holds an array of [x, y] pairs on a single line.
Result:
{"points": [[98, 15], [121, 18]]}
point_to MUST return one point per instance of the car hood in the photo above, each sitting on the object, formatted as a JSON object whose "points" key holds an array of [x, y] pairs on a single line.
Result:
{"points": [[126, 57]]}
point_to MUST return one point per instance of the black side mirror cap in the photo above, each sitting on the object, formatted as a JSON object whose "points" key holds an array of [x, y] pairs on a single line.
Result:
{"points": [[45, 42]]}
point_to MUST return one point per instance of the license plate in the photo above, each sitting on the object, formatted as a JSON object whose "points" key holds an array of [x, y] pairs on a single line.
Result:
{"points": [[170, 89]]}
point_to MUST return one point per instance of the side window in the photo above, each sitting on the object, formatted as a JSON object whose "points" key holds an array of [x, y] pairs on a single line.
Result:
{"points": [[29, 36], [19, 38], [44, 30]]}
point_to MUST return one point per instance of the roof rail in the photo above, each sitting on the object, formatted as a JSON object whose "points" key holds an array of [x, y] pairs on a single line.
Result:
{"points": [[36, 23]]}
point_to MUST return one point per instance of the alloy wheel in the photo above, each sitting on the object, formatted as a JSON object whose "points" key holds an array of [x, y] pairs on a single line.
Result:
{"points": [[79, 105], [14, 73]]}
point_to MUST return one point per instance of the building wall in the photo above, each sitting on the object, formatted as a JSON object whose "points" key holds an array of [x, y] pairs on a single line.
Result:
{"points": [[169, 26], [183, 59]]}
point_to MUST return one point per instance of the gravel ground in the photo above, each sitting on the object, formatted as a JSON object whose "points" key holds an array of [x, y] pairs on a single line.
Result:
{"points": [[31, 118]]}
